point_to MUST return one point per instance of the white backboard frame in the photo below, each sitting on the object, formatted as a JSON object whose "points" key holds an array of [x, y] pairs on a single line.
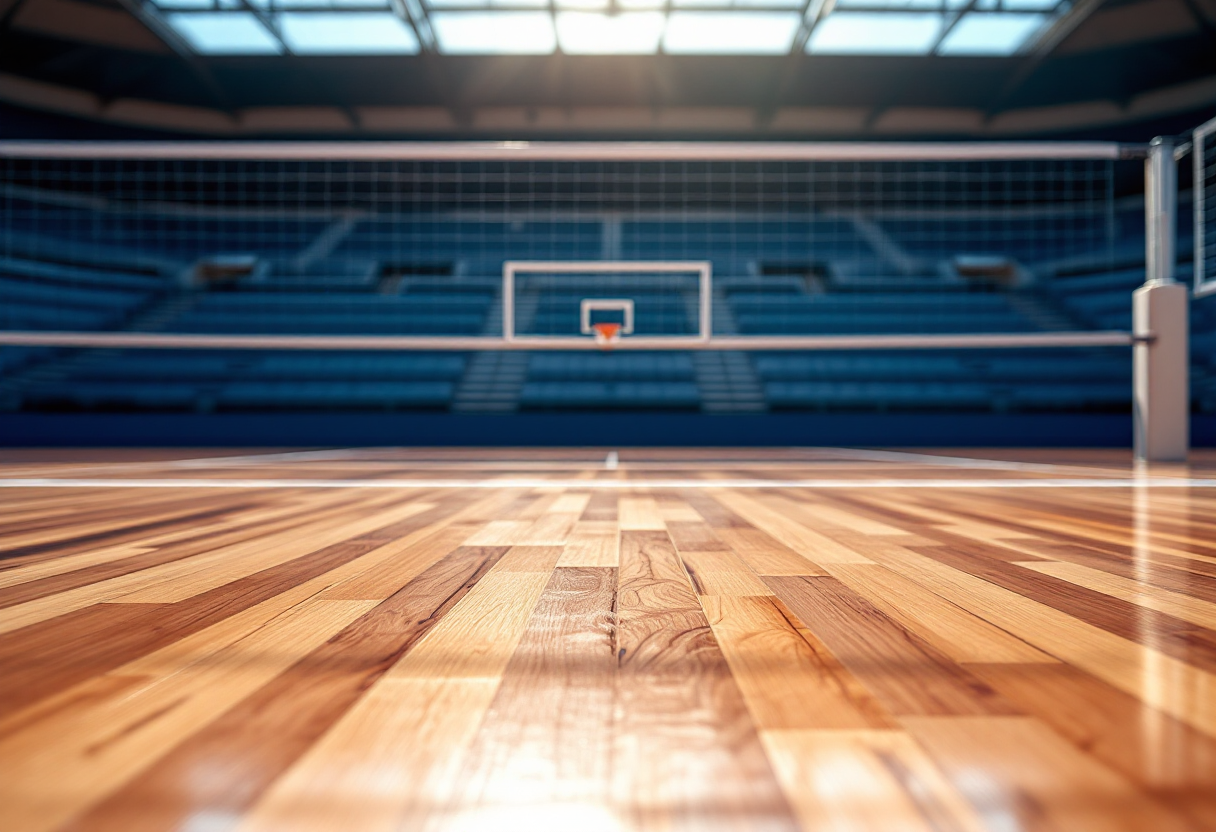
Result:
{"points": [[702, 268], [589, 305], [1199, 286]]}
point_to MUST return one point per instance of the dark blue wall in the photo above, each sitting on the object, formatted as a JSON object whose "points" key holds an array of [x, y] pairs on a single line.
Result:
{"points": [[624, 429]]}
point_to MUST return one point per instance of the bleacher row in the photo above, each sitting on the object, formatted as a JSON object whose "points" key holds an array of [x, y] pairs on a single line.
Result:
{"points": [[329, 246], [1074, 289]]}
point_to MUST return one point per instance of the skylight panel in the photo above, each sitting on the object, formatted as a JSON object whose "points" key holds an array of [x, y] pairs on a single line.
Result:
{"points": [[464, 4], [738, 4], [875, 33], [902, 5], [225, 33], [730, 33], [180, 5], [494, 33], [635, 33], [346, 33], [1029, 5], [581, 4], [324, 4], [991, 33]]}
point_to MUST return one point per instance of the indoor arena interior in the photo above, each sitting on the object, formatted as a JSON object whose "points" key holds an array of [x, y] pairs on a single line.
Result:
{"points": [[608, 415]]}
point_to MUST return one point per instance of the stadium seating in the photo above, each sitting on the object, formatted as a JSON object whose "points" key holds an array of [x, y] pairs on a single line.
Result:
{"points": [[381, 276], [236, 380], [614, 380]]}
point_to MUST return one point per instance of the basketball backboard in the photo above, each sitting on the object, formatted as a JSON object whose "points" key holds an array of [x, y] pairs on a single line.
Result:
{"points": [[554, 301]]}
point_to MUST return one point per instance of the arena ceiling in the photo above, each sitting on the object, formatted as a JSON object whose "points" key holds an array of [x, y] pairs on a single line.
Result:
{"points": [[630, 68]]}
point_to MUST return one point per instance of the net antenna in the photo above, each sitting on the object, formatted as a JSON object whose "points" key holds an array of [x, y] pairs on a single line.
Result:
{"points": [[1203, 150]]}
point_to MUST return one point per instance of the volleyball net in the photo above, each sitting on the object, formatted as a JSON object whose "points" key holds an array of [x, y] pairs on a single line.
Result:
{"points": [[230, 275]]}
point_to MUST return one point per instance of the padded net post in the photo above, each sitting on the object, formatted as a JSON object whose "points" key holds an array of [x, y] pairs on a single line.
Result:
{"points": [[1161, 362]]}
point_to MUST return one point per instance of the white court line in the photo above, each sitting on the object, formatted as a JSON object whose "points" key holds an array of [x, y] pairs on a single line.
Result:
{"points": [[954, 461], [612, 461], [273, 456], [1146, 482], [357, 455]]}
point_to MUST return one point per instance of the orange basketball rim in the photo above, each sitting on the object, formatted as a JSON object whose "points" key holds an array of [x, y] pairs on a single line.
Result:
{"points": [[607, 333]]}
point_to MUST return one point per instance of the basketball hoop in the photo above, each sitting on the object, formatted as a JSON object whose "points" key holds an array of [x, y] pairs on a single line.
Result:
{"points": [[607, 333]]}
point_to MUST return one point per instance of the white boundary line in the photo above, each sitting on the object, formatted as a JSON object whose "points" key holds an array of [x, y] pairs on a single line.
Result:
{"points": [[349, 454], [821, 455], [959, 462], [536, 482]]}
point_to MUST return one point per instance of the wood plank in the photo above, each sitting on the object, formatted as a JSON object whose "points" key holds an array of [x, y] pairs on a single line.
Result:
{"points": [[906, 673], [386, 569], [829, 515], [811, 545], [393, 757], [59, 654], [788, 677], [550, 529], [1156, 679], [695, 536], [640, 514], [868, 781], [674, 509], [501, 533], [1075, 529], [1159, 753], [252, 744], [688, 748], [713, 511], [530, 559], [1143, 570], [601, 508], [1144, 595], [962, 636], [68, 563], [766, 555], [592, 544], [1169, 634], [541, 503], [190, 507], [183, 579], [413, 726], [722, 573], [543, 754], [908, 502], [60, 766], [1019, 774], [575, 502], [194, 509], [186, 543]]}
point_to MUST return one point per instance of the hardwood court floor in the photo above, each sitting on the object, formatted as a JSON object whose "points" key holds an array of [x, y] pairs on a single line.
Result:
{"points": [[582, 640]]}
